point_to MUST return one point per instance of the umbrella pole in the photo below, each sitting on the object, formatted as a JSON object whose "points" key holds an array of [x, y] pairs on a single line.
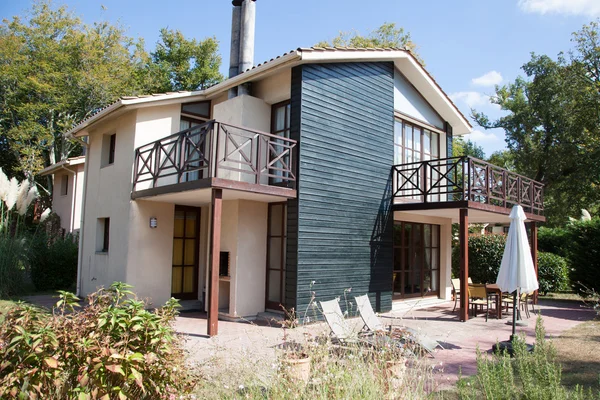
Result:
{"points": [[514, 324]]}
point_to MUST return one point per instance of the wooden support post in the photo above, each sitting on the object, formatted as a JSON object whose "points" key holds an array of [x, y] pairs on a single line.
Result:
{"points": [[215, 249], [534, 251], [463, 237]]}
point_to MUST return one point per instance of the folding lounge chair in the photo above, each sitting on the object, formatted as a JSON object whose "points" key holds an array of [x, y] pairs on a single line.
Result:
{"points": [[373, 324], [335, 319]]}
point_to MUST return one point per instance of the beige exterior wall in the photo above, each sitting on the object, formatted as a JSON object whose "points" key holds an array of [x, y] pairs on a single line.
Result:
{"points": [[68, 207], [107, 195], [274, 89], [149, 260], [445, 246]]}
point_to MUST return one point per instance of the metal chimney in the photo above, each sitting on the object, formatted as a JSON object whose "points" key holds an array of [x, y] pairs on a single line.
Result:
{"points": [[241, 57]]}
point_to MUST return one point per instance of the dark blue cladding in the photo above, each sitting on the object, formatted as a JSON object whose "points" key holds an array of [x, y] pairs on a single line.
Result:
{"points": [[340, 226]]}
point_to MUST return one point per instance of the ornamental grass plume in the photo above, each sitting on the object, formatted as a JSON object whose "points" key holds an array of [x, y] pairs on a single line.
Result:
{"points": [[4, 185], [22, 196], [12, 193], [32, 194], [45, 214]]}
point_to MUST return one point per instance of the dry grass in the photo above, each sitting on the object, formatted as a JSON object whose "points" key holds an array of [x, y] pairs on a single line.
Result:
{"points": [[578, 350]]}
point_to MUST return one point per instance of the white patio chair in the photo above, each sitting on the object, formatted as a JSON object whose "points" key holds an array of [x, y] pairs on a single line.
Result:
{"points": [[335, 319]]}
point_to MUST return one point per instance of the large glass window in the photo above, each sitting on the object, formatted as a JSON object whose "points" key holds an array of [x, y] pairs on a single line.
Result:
{"points": [[416, 260], [280, 126], [414, 143]]}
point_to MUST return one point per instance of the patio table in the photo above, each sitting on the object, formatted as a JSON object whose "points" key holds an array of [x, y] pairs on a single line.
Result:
{"points": [[495, 290]]}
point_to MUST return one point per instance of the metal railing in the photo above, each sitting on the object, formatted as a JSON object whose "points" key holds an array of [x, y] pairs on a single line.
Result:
{"points": [[215, 150], [466, 178]]}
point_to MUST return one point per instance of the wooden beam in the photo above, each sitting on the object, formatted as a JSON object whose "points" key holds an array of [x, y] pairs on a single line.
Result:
{"points": [[215, 249], [463, 237], [534, 251]]}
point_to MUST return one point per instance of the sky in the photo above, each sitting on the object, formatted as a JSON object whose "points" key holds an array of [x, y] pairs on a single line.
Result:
{"points": [[468, 45]]}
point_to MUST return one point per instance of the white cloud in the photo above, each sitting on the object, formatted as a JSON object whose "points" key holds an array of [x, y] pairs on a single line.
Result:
{"points": [[589, 8], [488, 79], [471, 99], [482, 138]]}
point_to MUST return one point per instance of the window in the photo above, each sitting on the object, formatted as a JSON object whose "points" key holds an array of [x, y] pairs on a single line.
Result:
{"points": [[64, 185], [414, 143], [199, 109], [103, 235], [280, 126], [111, 149], [109, 145]]}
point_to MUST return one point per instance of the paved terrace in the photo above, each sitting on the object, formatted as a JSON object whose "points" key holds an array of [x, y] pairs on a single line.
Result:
{"points": [[239, 340]]}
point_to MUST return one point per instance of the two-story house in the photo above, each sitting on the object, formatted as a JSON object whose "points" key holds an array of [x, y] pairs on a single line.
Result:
{"points": [[330, 169]]}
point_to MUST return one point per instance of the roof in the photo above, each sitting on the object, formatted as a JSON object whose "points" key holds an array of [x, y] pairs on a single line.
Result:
{"points": [[69, 162], [402, 58]]}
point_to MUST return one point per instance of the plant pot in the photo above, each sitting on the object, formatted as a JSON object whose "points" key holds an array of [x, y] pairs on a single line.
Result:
{"points": [[297, 368], [395, 368]]}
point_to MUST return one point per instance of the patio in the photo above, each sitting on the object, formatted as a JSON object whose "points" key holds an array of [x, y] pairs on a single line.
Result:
{"points": [[256, 341]]}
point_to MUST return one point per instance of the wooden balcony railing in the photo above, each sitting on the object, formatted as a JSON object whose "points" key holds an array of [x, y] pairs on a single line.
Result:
{"points": [[466, 179], [215, 150]]}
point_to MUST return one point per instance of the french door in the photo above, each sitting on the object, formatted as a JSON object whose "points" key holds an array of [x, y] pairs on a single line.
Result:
{"points": [[416, 260], [186, 235], [280, 126], [276, 258]]}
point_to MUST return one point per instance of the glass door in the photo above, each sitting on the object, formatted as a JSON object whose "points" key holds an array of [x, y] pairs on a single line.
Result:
{"points": [[186, 232], [416, 260], [280, 126], [276, 248]]}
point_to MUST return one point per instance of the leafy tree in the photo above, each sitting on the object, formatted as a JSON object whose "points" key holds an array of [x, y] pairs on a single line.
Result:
{"points": [[503, 159], [387, 35], [182, 64], [460, 148], [553, 125]]}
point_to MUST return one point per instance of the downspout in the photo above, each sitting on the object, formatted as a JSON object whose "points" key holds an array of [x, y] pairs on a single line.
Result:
{"points": [[81, 223]]}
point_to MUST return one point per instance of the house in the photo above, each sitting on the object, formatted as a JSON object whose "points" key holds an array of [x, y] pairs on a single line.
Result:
{"points": [[320, 170], [67, 195]]}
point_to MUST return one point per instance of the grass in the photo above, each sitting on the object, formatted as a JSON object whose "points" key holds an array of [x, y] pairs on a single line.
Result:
{"points": [[562, 296], [578, 350]]}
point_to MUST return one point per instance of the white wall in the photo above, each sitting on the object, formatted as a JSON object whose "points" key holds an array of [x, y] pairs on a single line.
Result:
{"points": [[245, 111], [274, 89], [408, 101], [149, 260], [68, 207], [108, 191]]}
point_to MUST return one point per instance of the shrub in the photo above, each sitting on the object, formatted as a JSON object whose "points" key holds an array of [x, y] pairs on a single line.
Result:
{"points": [[553, 273], [485, 257], [12, 273], [584, 254], [112, 348], [53, 262], [553, 240]]}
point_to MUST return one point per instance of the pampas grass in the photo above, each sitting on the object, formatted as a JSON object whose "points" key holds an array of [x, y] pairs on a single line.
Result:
{"points": [[24, 203], [12, 194]]}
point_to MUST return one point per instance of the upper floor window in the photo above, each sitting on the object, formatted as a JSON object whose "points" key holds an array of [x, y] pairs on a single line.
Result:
{"points": [[194, 114], [280, 126], [197, 110], [64, 185], [109, 146], [413, 143]]}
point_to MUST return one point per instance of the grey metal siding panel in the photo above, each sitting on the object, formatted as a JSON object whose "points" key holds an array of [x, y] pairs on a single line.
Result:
{"points": [[344, 123]]}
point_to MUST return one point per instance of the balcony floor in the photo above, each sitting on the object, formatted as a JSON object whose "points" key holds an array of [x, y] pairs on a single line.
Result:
{"points": [[478, 212], [198, 192]]}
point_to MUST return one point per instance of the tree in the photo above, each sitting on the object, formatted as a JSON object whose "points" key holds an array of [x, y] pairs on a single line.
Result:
{"points": [[461, 148], [387, 35], [182, 64], [55, 71], [503, 159], [553, 125]]}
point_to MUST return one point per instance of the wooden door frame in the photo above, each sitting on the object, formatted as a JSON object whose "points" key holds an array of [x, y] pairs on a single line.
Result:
{"points": [[194, 294], [269, 304]]}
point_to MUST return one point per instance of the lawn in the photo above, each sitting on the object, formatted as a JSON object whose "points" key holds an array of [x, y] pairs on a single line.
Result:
{"points": [[578, 350]]}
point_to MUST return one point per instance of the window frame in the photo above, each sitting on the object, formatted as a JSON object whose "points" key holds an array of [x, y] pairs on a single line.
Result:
{"points": [[64, 184], [402, 148], [111, 149]]}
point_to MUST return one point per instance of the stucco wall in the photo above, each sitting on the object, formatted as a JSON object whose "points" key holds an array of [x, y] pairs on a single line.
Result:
{"points": [[68, 207], [108, 191], [274, 89], [249, 275], [229, 233], [410, 102], [150, 250]]}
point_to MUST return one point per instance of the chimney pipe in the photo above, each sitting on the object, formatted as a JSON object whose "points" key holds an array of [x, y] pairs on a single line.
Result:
{"points": [[234, 54], [246, 53]]}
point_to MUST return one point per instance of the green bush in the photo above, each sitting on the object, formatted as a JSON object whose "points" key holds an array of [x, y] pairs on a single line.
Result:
{"points": [[584, 254], [553, 240], [112, 348], [12, 272], [485, 257], [53, 262], [553, 273]]}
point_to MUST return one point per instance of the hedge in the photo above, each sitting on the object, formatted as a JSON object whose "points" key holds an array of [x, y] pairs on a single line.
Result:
{"points": [[584, 254], [54, 262]]}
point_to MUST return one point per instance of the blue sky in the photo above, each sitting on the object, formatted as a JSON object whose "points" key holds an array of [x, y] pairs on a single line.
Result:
{"points": [[468, 45]]}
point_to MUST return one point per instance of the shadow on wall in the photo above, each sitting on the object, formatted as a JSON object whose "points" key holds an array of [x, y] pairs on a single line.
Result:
{"points": [[382, 248]]}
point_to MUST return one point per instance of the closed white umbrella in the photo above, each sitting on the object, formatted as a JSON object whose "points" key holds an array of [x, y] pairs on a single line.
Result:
{"points": [[517, 273]]}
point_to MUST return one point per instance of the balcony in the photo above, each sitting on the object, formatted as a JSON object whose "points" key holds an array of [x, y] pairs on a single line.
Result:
{"points": [[219, 155], [465, 182]]}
